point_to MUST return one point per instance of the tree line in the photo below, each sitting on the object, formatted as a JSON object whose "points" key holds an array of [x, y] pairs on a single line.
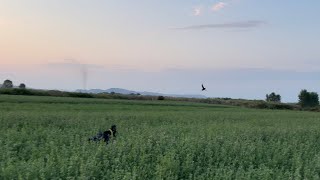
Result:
{"points": [[306, 99], [7, 84]]}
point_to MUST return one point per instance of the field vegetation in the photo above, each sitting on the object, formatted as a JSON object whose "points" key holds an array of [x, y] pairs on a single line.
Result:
{"points": [[46, 138], [258, 104]]}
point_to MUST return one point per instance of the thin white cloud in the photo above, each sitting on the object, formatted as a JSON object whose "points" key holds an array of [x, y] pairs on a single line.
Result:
{"points": [[197, 11], [218, 6], [233, 25]]}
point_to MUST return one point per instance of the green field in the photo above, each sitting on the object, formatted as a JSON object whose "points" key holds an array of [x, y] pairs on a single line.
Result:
{"points": [[46, 138]]}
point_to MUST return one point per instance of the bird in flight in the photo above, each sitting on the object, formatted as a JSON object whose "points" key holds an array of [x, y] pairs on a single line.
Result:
{"points": [[203, 88]]}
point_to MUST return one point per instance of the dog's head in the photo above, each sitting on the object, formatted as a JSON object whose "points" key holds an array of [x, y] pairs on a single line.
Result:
{"points": [[114, 128]]}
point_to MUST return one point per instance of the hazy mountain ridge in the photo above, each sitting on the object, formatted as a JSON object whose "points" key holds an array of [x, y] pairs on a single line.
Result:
{"points": [[145, 93]]}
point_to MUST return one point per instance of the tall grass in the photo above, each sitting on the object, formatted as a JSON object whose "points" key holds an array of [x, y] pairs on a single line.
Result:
{"points": [[46, 138]]}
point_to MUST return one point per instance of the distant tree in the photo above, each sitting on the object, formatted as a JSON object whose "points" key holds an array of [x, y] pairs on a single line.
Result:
{"points": [[112, 93], [314, 99], [304, 97], [22, 86], [273, 97], [7, 84], [160, 97], [138, 94], [308, 99]]}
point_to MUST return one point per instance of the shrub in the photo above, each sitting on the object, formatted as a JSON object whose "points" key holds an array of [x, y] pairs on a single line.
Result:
{"points": [[308, 99], [82, 95], [161, 98], [21, 92], [22, 86], [7, 84], [273, 97]]}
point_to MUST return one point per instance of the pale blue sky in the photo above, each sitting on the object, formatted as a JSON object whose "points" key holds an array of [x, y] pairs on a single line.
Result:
{"points": [[137, 44]]}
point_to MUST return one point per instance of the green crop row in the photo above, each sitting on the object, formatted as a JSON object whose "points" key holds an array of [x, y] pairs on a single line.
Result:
{"points": [[46, 138]]}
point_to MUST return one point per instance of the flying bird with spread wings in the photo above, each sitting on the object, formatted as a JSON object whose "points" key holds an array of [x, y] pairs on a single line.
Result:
{"points": [[203, 88]]}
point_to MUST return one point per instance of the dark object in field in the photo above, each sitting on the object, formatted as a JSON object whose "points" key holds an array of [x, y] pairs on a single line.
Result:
{"points": [[203, 88], [97, 137], [110, 133], [106, 135], [160, 98]]}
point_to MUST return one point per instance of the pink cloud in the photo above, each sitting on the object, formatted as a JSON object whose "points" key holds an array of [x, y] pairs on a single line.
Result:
{"points": [[218, 6], [197, 11]]}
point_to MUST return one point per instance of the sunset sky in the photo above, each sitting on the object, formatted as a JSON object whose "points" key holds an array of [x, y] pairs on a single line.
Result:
{"points": [[237, 48]]}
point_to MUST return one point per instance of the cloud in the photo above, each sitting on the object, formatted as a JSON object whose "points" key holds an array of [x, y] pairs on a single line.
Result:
{"points": [[197, 11], [218, 6], [234, 25]]}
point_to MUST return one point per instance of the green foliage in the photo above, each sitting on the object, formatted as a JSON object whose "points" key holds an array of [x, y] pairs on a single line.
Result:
{"points": [[308, 99], [15, 91], [259, 104], [22, 86], [55, 93], [46, 138], [273, 97], [7, 84]]}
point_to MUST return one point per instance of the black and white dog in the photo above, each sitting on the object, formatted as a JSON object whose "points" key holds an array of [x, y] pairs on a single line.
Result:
{"points": [[106, 135]]}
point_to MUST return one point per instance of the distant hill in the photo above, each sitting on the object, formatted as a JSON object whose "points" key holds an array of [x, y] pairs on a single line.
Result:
{"points": [[145, 93]]}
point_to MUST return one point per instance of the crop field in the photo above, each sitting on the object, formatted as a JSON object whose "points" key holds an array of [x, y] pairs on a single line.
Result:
{"points": [[47, 138]]}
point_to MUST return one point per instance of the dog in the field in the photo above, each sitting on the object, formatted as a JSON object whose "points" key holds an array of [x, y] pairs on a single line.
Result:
{"points": [[106, 135]]}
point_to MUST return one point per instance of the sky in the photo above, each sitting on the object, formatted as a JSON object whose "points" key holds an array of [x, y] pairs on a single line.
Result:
{"points": [[236, 48]]}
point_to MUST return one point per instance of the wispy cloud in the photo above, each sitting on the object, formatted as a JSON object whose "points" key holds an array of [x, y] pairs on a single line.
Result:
{"points": [[218, 6], [197, 11], [234, 25]]}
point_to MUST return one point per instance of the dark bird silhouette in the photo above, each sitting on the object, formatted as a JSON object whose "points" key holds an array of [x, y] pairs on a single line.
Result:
{"points": [[203, 88]]}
